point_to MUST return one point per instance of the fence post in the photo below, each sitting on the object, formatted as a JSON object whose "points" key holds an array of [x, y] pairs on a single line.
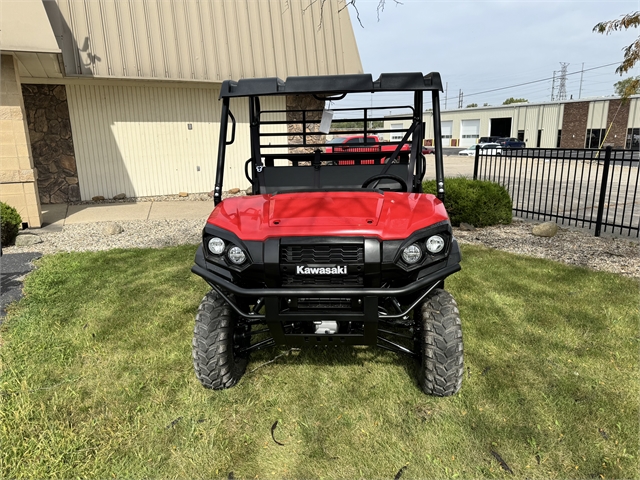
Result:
{"points": [[475, 163], [603, 190]]}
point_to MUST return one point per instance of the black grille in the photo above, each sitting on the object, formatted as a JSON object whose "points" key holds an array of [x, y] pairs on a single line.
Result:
{"points": [[318, 254], [326, 303], [322, 281]]}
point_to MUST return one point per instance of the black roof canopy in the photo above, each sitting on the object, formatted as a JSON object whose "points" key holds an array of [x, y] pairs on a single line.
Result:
{"points": [[331, 84]]}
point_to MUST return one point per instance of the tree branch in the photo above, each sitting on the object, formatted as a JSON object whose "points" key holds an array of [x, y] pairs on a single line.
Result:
{"points": [[631, 52], [626, 22], [353, 4], [381, 4]]}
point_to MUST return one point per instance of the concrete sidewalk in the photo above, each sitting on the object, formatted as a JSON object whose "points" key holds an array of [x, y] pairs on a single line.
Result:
{"points": [[54, 217]]}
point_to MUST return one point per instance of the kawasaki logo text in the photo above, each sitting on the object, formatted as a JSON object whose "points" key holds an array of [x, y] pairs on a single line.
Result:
{"points": [[302, 270]]}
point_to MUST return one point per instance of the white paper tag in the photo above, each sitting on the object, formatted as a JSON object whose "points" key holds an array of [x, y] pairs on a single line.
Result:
{"points": [[325, 123]]}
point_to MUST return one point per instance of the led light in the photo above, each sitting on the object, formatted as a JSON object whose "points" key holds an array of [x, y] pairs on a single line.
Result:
{"points": [[412, 254], [236, 255], [216, 245], [435, 244]]}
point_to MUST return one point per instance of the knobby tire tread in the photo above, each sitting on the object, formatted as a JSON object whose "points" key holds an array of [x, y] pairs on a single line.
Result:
{"points": [[215, 364], [442, 348]]}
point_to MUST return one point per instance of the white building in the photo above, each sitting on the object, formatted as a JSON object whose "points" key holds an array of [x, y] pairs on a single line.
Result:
{"points": [[566, 124]]}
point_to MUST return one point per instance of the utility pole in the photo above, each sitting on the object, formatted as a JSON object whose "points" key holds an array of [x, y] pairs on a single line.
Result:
{"points": [[562, 89], [460, 96], [553, 84], [581, 74], [446, 92]]}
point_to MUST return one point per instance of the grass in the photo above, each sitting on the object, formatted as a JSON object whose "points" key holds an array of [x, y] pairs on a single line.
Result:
{"points": [[97, 382]]}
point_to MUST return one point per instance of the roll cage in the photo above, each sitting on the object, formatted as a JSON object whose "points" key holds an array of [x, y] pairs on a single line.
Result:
{"points": [[289, 152]]}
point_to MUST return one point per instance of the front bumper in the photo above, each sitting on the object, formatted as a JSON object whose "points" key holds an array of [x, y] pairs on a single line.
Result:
{"points": [[357, 324], [205, 270]]}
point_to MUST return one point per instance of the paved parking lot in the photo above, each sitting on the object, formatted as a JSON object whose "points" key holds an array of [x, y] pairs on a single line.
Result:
{"points": [[13, 268], [568, 190]]}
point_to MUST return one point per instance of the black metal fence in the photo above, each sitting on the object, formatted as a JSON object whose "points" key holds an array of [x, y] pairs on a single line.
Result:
{"points": [[595, 189]]}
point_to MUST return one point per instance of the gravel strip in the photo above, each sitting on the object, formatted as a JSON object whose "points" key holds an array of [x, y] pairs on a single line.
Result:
{"points": [[573, 247], [83, 237]]}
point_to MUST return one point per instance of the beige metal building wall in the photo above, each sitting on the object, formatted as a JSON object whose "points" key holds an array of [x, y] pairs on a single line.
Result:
{"points": [[530, 118], [634, 113], [598, 112], [204, 40], [152, 138]]}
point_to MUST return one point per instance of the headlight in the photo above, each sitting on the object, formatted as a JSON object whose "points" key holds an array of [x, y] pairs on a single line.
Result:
{"points": [[412, 254], [435, 244], [236, 255], [216, 245]]}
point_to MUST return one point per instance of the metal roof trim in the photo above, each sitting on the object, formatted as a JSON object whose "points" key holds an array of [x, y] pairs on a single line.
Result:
{"points": [[332, 84], [25, 27]]}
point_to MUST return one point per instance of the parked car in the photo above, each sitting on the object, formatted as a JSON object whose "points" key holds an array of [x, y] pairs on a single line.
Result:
{"points": [[488, 139], [491, 148], [488, 148], [352, 142], [510, 142], [428, 150], [469, 151]]}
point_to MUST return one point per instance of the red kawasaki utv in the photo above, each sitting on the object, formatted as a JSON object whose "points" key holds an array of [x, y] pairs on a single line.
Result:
{"points": [[333, 247]]}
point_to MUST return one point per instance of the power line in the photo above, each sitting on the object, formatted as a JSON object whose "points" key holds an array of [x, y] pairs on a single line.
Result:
{"points": [[538, 81]]}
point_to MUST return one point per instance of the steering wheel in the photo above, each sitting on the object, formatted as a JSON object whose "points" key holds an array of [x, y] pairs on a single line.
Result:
{"points": [[395, 178]]}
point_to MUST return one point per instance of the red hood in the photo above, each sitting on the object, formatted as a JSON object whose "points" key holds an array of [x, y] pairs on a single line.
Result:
{"points": [[388, 216]]}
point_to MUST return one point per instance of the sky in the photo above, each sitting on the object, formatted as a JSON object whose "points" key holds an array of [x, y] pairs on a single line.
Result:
{"points": [[485, 45]]}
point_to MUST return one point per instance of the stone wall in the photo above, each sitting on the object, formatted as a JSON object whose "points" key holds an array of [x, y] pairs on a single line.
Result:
{"points": [[18, 186], [303, 102], [574, 124], [52, 142]]}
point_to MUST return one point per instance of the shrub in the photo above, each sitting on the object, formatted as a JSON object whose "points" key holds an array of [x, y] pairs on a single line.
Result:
{"points": [[10, 222], [477, 202]]}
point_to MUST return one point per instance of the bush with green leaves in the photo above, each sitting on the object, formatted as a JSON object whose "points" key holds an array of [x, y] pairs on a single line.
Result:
{"points": [[10, 222], [478, 202]]}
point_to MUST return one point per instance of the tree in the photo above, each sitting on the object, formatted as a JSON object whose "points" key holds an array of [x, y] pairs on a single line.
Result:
{"points": [[631, 52], [472, 105], [628, 86], [511, 100], [347, 4]]}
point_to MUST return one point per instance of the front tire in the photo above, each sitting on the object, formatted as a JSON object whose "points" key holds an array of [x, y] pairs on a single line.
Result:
{"points": [[215, 351], [442, 366]]}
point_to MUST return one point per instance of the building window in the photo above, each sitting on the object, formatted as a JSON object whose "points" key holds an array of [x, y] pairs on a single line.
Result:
{"points": [[396, 137], [471, 136], [594, 137], [539, 139], [446, 136], [633, 139], [521, 135], [559, 139]]}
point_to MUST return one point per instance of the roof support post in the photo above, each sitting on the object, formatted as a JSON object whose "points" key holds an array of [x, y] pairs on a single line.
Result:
{"points": [[222, 147], [254, 129], [417, 138], [437, 140]]}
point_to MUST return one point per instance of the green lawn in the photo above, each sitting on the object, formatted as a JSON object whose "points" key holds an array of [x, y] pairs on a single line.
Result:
{"points": [[97, 381]]}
